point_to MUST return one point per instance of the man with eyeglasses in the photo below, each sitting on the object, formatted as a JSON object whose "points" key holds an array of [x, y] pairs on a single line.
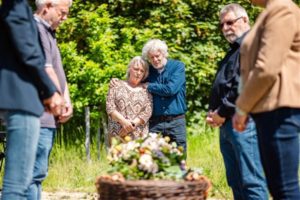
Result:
{"points": [[240, 151], [48, 16]]}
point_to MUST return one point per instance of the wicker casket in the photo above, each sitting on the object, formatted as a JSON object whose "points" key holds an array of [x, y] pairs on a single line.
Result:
{"points": [[150, 168], [150, 189]]}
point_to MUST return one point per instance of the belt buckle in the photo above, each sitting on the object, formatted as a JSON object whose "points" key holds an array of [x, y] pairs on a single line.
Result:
{"points": [[168, 118]]}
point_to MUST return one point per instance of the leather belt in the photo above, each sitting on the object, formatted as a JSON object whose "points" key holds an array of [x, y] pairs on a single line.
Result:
{"points": [[166, 118]]}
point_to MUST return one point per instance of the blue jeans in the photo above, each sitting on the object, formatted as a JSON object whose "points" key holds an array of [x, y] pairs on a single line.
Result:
{"points": [[22, 137], [278, 137], [242, 162], [175, 129], [40, 171]]}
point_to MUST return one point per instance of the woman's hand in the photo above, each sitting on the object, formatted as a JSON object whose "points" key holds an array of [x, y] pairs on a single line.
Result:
{"points": [[127, 126]]}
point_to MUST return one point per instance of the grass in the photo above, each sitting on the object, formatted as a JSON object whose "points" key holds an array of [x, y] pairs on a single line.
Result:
{"points": [[203, 152], [70, 171]]}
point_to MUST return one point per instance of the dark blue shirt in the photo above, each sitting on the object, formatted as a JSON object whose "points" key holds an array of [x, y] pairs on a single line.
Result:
{"points": [[168, 89], [225, 87]]}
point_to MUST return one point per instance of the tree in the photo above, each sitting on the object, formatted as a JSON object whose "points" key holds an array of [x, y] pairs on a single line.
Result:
{"points": [[100, 37]]}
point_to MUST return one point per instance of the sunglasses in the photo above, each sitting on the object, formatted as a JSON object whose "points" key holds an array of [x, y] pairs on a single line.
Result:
{"points": [[229, 22]]}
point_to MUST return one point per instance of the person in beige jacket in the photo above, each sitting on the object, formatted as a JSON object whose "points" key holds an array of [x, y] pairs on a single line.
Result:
{"points": [[270, 92]]}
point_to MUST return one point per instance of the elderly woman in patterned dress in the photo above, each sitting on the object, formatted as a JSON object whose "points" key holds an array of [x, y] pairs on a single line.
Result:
{"points": [[129, 104]]}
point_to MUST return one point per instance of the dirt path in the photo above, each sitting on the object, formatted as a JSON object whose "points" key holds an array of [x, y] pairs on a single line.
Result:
{"points": [[68, 196], [74, 196]]}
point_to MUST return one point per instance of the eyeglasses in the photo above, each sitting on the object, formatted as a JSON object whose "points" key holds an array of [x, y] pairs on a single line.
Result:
{"points": [[62, 11], [229, 22]]}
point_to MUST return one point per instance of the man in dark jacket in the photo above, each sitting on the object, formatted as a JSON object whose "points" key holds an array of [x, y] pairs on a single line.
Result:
{"points": [[239, 151], [24, 84]]}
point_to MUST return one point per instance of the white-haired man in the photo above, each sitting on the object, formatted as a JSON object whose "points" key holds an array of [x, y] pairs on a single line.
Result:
{"points": [[240, 151], [167, 84], [49, 15]]}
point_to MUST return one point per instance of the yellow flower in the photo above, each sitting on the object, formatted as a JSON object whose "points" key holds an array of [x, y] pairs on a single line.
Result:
{"points": [[167, 138], [127, 138]]}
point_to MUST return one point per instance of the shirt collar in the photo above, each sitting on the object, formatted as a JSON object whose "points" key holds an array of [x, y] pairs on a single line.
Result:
{"points": [[45, 24], [237, 43]]}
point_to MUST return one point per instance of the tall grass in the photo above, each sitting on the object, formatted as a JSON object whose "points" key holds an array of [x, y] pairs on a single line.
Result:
{"points": [[203, 152], [69, 169]]}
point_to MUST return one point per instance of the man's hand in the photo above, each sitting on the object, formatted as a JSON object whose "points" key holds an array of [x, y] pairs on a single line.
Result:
{"points": [[54, 104], [145, 85], [239, 122], [67, 114], [114, 82], [214, 119]]}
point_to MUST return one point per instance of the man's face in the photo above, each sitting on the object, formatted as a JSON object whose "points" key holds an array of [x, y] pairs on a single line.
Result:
{"points": [[157, 59], [57, 13], [232, 26]]}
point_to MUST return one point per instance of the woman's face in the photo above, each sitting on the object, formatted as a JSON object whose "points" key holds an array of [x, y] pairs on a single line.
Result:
{"points": [[136, 74]]}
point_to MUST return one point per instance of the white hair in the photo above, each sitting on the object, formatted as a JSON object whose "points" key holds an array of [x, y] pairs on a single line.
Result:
{"points": [[237, 9], [41, 3], [155, 45], [138, 60]]}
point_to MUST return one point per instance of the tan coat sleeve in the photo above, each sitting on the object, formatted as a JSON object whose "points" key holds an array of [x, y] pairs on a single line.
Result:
{"points": [[278, 29]]}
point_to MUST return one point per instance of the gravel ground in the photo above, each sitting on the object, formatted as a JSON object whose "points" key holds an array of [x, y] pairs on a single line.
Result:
{"points": [[68, 196], [74, 196]]}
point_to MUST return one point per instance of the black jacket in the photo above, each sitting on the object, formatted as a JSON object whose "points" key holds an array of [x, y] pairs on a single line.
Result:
{"points": [[225, 87], [23, 79]]}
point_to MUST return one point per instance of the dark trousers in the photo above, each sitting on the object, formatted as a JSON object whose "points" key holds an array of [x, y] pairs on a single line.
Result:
{"points": [[175, 129], [278, 137]]}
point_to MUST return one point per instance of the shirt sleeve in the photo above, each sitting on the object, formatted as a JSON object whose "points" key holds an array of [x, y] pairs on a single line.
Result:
{"points": [[146, 112], [174, 84], [46, 47], [227, 107]]}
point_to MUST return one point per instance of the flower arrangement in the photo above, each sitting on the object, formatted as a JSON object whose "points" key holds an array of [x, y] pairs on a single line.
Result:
{"points": [[150, 168], [152, 157]]}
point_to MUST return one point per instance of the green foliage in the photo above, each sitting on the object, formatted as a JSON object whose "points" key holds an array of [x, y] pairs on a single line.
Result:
{"points": [[100, 37]]}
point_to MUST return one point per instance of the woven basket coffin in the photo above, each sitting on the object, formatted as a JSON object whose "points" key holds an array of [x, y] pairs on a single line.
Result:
{"points": [[150, 189]]}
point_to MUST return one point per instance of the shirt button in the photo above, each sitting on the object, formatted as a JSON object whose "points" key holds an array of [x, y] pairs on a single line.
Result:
{"points": [[162, 98], [164, 107]]}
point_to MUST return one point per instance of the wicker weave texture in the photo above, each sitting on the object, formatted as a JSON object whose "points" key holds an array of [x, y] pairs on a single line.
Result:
{"points": [[148, 189]]}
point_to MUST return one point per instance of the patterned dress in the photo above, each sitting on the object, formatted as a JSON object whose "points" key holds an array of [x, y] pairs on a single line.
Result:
{"points": [[130, 102]]}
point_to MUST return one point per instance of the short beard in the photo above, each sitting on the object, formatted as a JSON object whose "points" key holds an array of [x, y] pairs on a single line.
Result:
{"points": [[231, 38]]}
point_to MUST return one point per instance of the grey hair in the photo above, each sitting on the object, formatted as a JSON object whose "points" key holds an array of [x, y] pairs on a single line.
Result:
{"points": [[41, 3], [138, 60], [155, 45], [237, 9]]}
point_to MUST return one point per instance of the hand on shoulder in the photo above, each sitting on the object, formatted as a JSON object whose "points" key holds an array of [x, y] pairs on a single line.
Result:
{"points": [[114, 82]]}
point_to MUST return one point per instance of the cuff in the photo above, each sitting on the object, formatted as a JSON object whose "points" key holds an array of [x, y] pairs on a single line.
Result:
{"points": [[240, 112]]}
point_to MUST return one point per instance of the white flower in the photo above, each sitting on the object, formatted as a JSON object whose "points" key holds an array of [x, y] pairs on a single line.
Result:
{"points": [[147, 164], [127, 148]]}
